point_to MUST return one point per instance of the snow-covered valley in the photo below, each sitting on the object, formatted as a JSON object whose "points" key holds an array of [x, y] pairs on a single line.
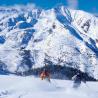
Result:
{"points": [[30, 87]]}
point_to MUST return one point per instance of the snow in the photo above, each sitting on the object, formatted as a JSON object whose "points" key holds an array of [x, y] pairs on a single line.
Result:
{"points": [[66, 44], [32, 29], [12, 86]]}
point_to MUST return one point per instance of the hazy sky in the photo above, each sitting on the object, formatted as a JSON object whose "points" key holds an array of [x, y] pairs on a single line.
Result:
{"points": [[87, 5]]}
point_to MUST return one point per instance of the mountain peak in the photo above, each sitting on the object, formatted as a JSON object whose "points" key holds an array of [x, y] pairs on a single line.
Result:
{"points": [[63, 36]]}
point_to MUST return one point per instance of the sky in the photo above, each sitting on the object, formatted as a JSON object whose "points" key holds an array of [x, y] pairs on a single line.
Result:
{"points": [[86, 5]]}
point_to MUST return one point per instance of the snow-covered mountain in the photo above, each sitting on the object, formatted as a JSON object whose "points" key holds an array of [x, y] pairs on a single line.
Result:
{"points": [[66, 37]]}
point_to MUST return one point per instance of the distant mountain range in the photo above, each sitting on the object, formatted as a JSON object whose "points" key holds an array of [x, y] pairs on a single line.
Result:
{"points": [[66, 37]]}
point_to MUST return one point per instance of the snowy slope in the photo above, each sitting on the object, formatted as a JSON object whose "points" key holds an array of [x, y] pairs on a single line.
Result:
{"points": [[28, 87], [65, 37]]}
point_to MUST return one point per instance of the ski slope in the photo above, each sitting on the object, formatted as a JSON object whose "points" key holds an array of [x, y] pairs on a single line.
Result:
{"points": [[30, 87]]}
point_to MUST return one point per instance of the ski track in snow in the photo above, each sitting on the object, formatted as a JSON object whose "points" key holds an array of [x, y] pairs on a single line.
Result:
{"points": [[29, 87]]}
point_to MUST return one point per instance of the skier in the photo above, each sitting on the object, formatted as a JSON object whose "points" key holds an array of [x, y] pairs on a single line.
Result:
{"points": [[78, 78], [45, 75]]}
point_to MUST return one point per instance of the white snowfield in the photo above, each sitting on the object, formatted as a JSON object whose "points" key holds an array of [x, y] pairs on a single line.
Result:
{"points": [[30, 87]]}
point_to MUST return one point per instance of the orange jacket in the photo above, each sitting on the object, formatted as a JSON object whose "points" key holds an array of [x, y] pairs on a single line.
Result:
{"points": [[44, 75]]}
